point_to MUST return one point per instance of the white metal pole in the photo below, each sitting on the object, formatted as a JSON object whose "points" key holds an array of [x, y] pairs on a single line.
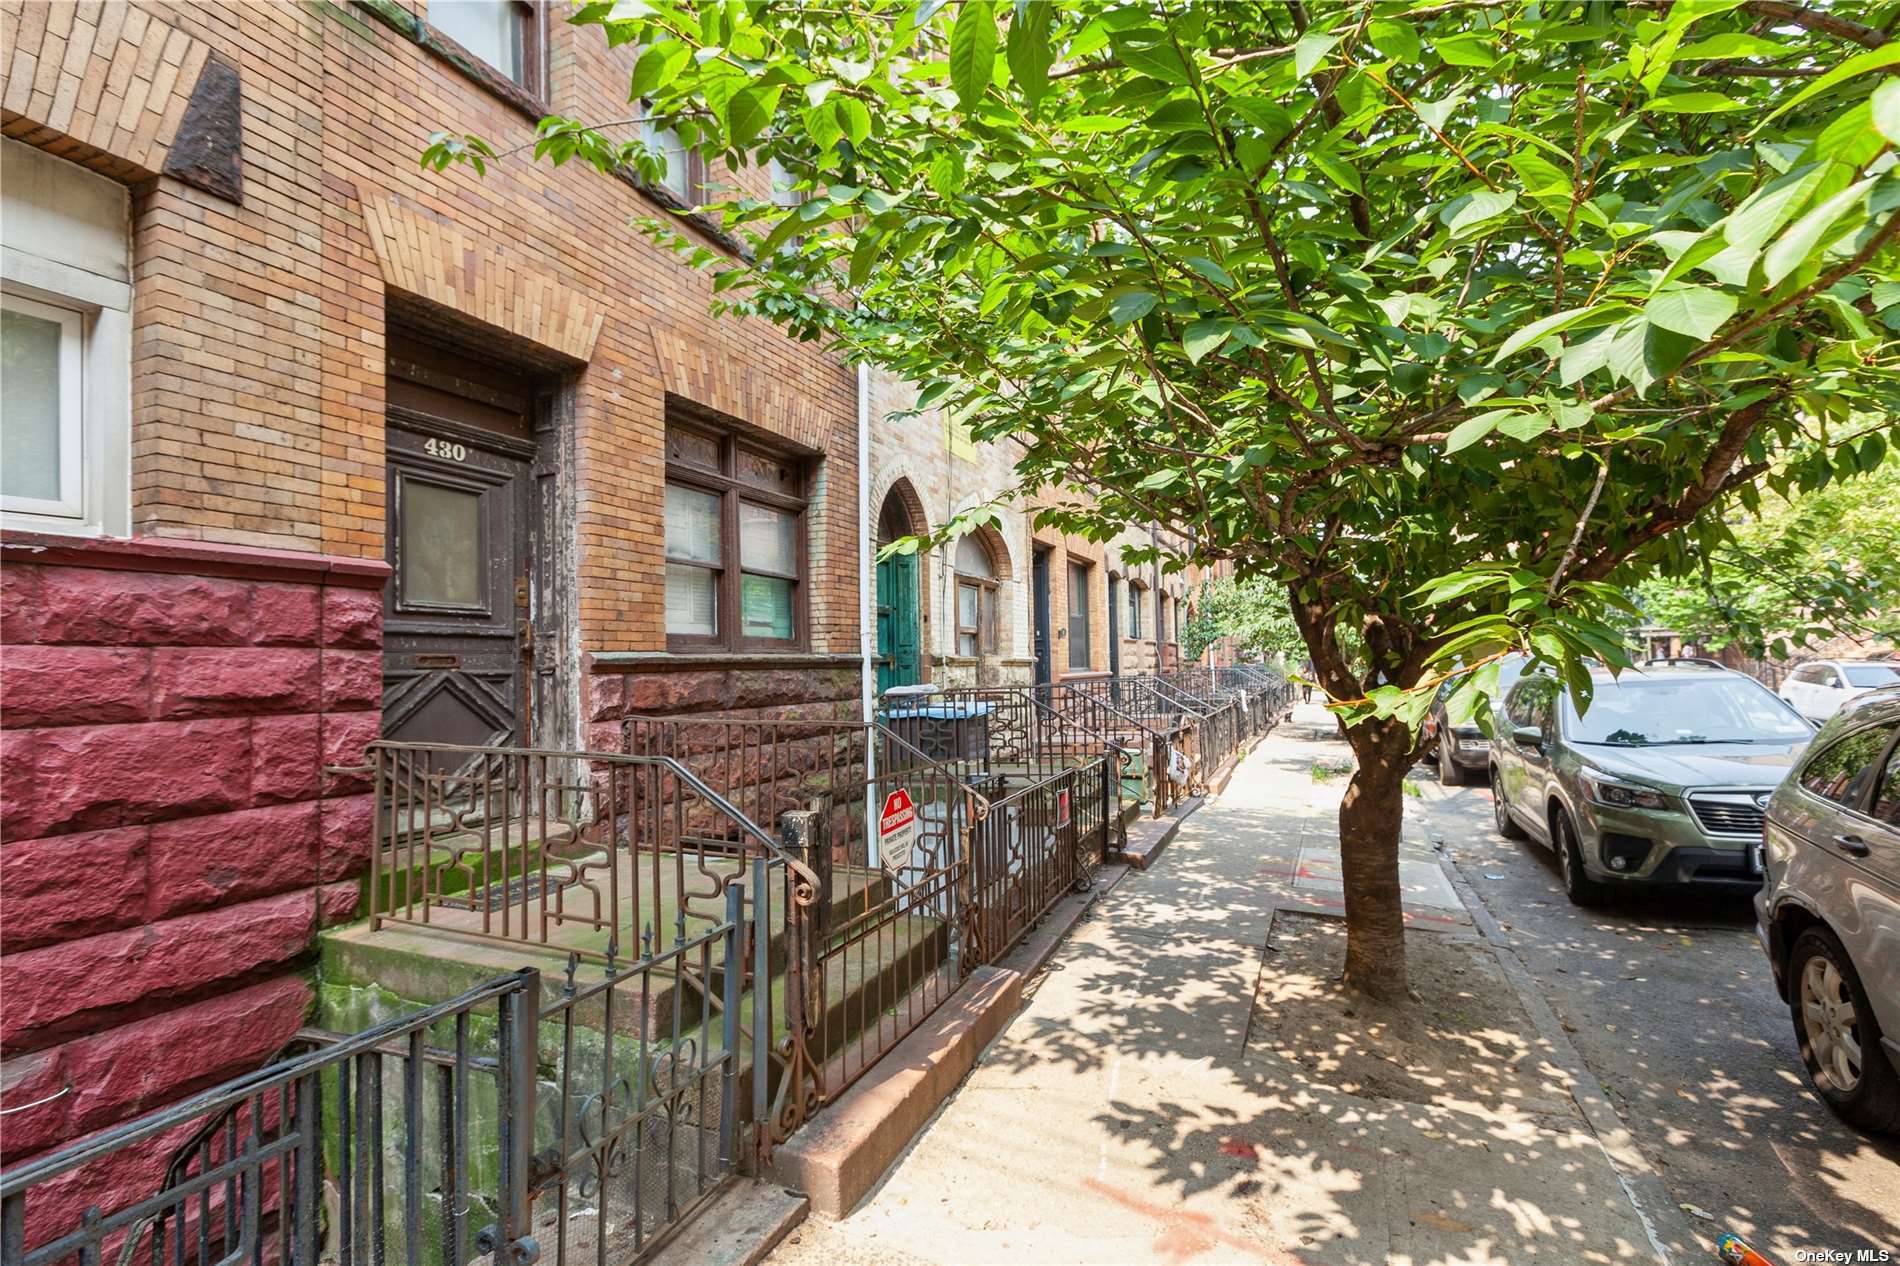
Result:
{"points": [[867, 621]]}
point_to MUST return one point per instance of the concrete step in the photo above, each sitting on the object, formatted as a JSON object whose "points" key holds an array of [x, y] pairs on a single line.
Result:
{"points": [[740, 1227]]}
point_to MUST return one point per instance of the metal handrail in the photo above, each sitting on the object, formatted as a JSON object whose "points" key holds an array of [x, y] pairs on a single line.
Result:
{"points": [[15, 1181], [672, 764]]}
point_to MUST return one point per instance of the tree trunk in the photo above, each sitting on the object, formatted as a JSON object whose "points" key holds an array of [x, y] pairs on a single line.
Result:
{"points": [[1369, 820]]}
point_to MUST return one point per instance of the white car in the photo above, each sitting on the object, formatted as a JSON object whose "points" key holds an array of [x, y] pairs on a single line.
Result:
{"points": [[1817, 690]]}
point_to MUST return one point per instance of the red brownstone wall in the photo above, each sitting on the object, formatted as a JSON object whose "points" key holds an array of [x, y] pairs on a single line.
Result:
{"points": [[169, 842]]}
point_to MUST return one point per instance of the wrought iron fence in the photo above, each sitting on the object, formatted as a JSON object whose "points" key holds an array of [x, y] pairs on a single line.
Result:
{"points": [[243, 1172], [1033, 846]]}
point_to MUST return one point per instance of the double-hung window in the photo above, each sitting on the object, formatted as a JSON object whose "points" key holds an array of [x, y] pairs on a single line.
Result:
{"points": [[1078, 616], [504, 35], [65, 346], [976, 599], [735, 545], [1137, 600]]}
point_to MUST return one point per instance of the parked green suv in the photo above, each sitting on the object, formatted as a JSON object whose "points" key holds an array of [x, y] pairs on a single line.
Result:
{"points": [[1662, 780]]}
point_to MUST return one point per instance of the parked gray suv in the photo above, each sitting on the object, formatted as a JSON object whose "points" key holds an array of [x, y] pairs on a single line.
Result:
{"points": [[1662, 780], [1828, 912]]}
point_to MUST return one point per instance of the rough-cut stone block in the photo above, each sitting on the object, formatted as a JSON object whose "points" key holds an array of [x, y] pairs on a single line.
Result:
{"points": [[353, 618], [86, 777], [254, 681], [345, 736], [344, 844], [287, 615], [352, 680], [606, 696], [114, 1181], [337, 903], [71, 885], [197, 863], [136, 1067], [77, 986], [121, 608], [35, 1079], [21, 612], [665, 693], [73, 685], [23, 814], [286, 758]]}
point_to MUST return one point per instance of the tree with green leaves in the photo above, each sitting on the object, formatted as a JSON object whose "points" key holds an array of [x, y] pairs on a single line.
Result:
{"points": [[1251, 611], [1452, 320], [1824, 564]]}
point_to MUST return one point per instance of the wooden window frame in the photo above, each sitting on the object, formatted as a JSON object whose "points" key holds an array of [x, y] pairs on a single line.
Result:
{"points": [[984, 630], [732, 490], [69, 501], [1088, 661], [532, 19], [1137, 598]]}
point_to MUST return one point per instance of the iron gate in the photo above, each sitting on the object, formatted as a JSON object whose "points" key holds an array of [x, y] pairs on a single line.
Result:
{"points": [[489, 1125]]}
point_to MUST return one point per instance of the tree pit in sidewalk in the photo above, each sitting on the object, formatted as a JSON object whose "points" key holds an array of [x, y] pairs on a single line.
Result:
{"points": [[1463, 1042]]}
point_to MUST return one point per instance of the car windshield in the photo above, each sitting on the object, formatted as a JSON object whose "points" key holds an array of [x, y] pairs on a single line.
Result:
{"points": [[1867, 675], [1720, 708]]}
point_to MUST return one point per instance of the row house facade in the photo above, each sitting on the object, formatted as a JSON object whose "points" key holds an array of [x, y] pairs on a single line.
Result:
{"points": [[1013, 603], [306, 446]]}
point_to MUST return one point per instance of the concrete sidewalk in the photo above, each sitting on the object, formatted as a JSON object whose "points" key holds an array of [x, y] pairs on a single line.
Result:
{"points": [[1133, 1113]]}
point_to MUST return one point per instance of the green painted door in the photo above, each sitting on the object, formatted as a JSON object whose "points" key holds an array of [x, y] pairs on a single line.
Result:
{"points": [[899, 639]]}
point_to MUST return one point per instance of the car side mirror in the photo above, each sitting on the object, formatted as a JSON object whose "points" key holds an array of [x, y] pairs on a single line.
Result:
{"points": [[1528, 736]]}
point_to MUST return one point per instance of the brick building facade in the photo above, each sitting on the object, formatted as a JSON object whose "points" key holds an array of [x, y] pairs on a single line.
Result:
{"points": [[311, 444], [1014, 603], [308, 446]]}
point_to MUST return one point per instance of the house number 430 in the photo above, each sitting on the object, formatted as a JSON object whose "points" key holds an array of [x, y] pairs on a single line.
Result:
{"points": [[444, 449]]}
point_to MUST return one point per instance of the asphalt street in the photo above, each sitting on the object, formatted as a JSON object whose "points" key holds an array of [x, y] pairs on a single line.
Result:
{"points": [[1671, 1003]]}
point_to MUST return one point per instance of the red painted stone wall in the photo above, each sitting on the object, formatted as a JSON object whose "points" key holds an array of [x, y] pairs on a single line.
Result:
{"points": [[169, 842]]}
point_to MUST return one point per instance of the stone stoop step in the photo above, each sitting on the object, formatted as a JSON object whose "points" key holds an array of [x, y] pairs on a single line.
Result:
{"points": [[843, 1152], [740, 1228]]}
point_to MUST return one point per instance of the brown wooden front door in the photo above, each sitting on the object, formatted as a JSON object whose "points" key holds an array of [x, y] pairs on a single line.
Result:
{"points": [[457, 639]]}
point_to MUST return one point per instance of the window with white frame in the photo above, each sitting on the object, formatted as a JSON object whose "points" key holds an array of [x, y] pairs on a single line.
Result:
{"points": [[65, 346]]}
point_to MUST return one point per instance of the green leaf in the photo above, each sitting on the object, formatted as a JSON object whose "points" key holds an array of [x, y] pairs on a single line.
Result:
{"points": [[1205, 337], [1729, 44], [1525, 426], [1337, 170], [863, 256], [1874, 59], [1395, 38], [1029, 50], [1311, 51], [854, 118], [1486, 204], [1887, 110], [750, 111], [656, 67], [1465, 50], [1471, 430], [1130, 306], [821, 125], [1694, 103], [1798, 244], [1551, 324], [1629, 354], [1693, 310], [1540, 175], [973, 51], [1210, 270], [1091, 124]]}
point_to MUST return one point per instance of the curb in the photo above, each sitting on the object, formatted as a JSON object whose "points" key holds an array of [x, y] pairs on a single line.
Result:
{"points": [[1655, 1208]]}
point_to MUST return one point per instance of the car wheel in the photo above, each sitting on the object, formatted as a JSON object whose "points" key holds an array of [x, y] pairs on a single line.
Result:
{"points": [[1507, 825], [1838, 1035], [1450, 772], [1578, 886]]}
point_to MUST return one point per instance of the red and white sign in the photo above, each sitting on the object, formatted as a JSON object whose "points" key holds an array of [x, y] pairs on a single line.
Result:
{"points": [[897, 831], [1062, 808]]}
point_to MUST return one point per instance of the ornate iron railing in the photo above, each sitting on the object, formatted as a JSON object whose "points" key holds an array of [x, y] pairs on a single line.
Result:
{"points": [[314, 1130]]}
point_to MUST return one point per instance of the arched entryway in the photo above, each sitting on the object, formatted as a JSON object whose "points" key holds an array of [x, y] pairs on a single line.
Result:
{"points": [[900, 641]]}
